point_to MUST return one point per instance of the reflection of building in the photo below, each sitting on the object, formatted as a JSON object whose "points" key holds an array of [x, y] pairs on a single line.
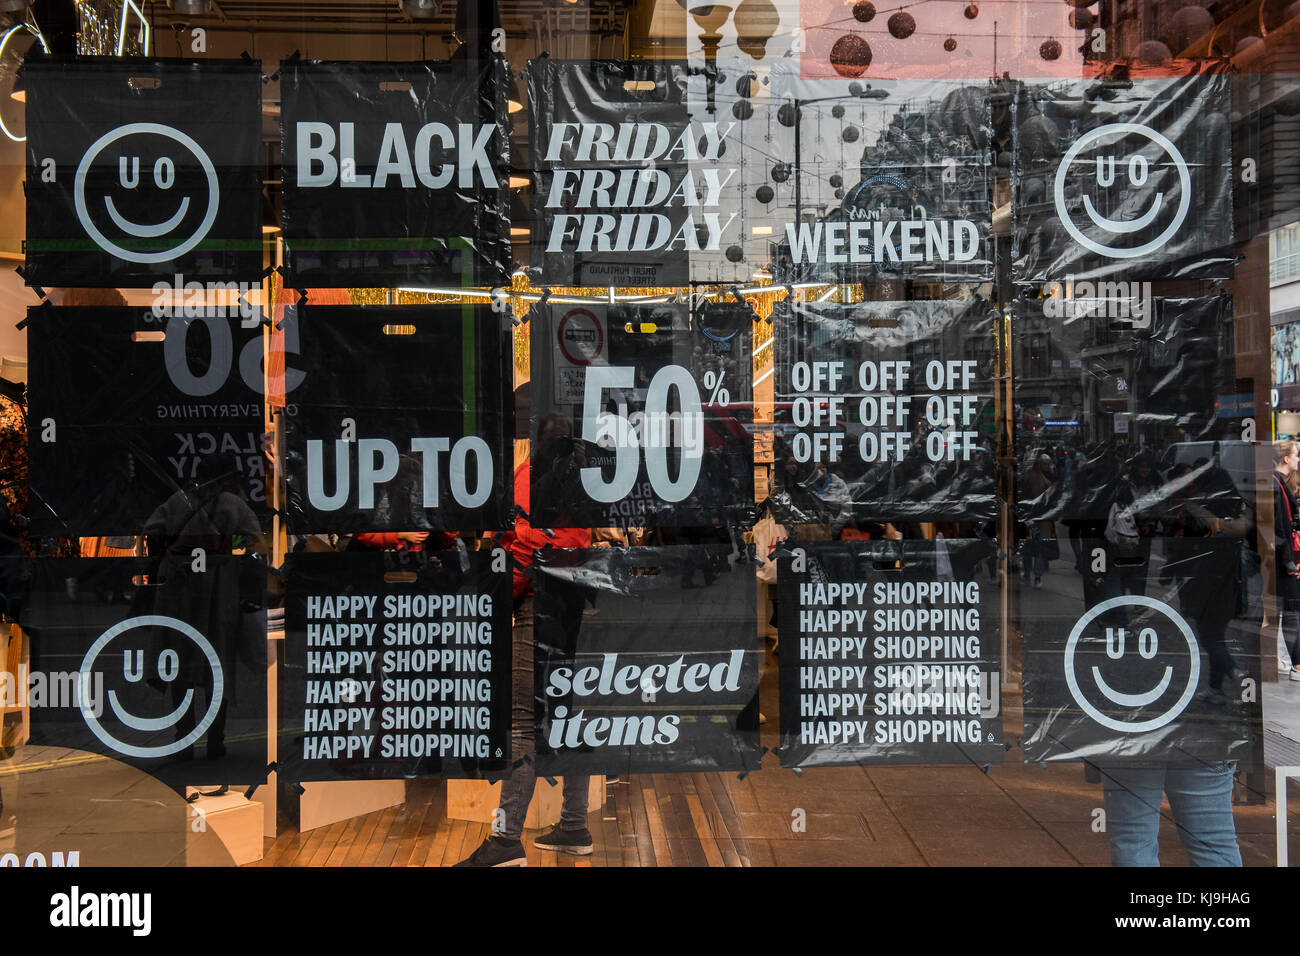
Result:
{"points": [[1087, 379], [1284, 307]]}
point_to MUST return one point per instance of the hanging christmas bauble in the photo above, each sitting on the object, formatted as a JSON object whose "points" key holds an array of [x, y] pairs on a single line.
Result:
{"points": [[1152, 52], [1246, 43], [902, 25], [1186, 26], [864, 11], [851, 55], [703, 145]]}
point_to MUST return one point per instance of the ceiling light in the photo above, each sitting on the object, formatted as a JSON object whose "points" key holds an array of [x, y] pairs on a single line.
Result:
{"points": [[19, 89], [420, 9], [192, 8]]}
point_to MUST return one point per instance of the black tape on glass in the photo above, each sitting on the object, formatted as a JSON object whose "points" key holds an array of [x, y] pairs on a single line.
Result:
{"points": [[46, 304], [519, 512], [276, 75], [271, 768]]}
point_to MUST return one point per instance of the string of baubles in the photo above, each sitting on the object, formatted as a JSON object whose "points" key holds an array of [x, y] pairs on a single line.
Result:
{"points": [[851, 54]]}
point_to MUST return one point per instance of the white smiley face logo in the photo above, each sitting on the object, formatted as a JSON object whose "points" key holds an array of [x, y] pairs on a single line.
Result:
{"points": [[168, 665], [1145, 642], [1137, 168], [160, 176]]}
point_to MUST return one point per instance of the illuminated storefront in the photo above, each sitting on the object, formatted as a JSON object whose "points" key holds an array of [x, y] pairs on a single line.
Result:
{"points": [[655, 398]]}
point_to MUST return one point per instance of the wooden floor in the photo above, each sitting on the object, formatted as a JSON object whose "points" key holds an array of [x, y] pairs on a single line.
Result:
{"points": [[652, 820], [1010, 814]]}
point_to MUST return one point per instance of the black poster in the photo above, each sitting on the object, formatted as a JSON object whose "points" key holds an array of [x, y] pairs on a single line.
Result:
{"points": [[145, 423], [142, 171], [1123, 179], [395, 173], [401, 421], [886, 183], [1146, 655], [396, 669], [890, 653], [629, 174], [1119, 396], [884, 412], [642, 416], [646, 661], [157, 662]]}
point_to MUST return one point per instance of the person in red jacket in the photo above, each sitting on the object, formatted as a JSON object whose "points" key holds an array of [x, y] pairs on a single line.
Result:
{"points": [[407, 540], [505, 847]]}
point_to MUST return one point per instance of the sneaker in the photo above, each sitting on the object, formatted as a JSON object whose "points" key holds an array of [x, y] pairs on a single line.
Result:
{"points": [[1214, 695], [497, 852], [1038, 584], [566, 841], [1295, 673]]}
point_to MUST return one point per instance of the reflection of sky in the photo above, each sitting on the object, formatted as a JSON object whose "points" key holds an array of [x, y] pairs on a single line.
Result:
{"points": [[1022, 27], [871, 115], [755, 146], [763, 137]]}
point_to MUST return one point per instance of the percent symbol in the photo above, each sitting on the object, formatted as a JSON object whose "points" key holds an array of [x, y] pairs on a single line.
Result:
{"points": [[717, 394]]}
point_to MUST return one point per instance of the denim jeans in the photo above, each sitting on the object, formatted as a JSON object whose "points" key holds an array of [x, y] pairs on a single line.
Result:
{"points": [[1201, 801], [1288, 609], [517, 789]]}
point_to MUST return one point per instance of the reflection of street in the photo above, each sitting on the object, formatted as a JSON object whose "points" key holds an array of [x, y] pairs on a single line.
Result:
{"points": [[109, 814]]}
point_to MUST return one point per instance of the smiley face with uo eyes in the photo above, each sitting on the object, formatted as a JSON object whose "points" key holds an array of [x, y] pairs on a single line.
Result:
{"points": [[1121, 160], [135, 167], [1133, 659], [168, 664]]}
